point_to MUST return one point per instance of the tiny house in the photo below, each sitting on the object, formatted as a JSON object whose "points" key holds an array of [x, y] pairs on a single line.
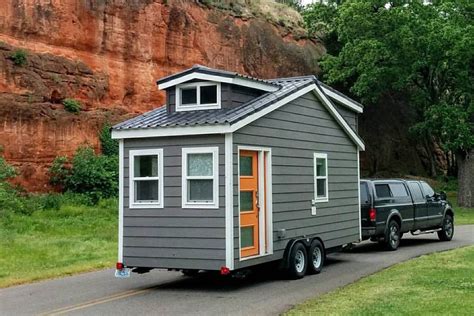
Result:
{"points": [[236, 171]]}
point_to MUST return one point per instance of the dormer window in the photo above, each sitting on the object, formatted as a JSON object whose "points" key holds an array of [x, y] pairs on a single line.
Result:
{"points": [[198, 96]]}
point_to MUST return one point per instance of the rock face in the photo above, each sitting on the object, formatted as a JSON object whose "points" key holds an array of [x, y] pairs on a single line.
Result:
{"points": [[107, 55]]}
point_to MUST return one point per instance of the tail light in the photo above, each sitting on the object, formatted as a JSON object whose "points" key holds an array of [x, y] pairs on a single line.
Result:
{"points": [[225, 271], [119, 265], [372, 214]]}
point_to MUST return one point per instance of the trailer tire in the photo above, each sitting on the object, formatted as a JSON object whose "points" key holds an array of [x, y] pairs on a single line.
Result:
{"points": [[298, 262], [316, 256]]}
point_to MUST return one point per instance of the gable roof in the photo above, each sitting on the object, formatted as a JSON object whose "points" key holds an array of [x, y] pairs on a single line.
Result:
{"points": [[160, 122]]}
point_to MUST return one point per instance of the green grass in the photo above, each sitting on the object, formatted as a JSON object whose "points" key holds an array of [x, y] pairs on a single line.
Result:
{"points": [[462, 215], [51, 243], [436, 284]]}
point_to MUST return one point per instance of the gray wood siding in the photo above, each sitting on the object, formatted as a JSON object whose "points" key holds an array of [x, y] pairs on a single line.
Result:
{"points": [[294, 132], [231, 96], [350, 116], [172, 237]]}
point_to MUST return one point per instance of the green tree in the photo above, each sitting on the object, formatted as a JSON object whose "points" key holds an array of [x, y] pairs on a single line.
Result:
{"points": [[390, 49], [109, 146]]}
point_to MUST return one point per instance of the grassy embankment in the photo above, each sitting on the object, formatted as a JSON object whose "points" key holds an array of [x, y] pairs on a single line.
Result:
{"points": [[48, 243], [436, 284]]}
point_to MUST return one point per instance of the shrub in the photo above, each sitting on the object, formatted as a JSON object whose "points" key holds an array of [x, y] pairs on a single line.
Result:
{"points": [[95, 176], [72, 105], [109, 146], [6, 171], [19, 57]]}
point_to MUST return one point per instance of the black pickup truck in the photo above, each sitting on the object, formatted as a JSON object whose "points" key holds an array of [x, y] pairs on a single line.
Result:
{"points": [[390, 208]]}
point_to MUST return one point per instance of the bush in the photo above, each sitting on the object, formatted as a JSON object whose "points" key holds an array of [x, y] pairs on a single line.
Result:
{"points": [[108, 145], [95, 176], [72, 105], [6, 171], [19, 57]]}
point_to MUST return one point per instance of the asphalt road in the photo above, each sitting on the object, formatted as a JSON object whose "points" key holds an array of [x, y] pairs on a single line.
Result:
{"points": [[170, 293]]}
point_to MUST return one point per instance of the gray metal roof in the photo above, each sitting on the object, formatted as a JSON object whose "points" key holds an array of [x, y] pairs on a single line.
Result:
{"points": [[160, 118]]}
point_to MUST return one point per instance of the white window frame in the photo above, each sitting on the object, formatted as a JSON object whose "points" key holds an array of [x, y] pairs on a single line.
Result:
{"points": [[316, 177], [197, 106], [215, 177], [159, 178]]}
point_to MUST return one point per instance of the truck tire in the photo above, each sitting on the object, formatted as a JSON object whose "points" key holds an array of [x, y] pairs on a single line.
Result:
{"points": [[392, 236], [298, 261], [316, 257], [447, 230]]}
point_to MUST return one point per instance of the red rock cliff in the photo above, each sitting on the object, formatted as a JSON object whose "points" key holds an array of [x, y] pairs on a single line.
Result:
{"points": [[108, 54]]}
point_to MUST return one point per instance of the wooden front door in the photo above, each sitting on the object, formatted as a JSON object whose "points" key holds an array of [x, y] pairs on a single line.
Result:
{"points": [[249, 207]]}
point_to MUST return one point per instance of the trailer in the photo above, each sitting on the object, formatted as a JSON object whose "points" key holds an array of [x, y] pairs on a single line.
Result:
{"points": [[236, 171]]}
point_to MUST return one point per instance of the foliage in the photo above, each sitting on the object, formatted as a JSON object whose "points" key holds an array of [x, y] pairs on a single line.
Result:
{"points": [[423, 52], [295, 4], [6, 170], [72, 105], [109, 146], [19, 57], [65, 236], [436, 284], [96, 176]]}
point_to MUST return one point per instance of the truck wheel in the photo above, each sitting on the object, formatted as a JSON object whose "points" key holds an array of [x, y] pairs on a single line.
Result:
{"points": [[392, 236], [316, 257], [447, 231], [298, 261]]}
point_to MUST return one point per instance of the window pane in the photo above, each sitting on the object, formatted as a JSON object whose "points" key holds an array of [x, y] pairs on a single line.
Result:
{"points": [[246, 201], [398, 189], [382, 190], [146, 166], [321, 188], [364, 194], [320, 167], [199, 164], [416, 192], [427, 189], [245, 166], [246, 237], [146, 190], [189, 95], [200, 190], [209, 95]]}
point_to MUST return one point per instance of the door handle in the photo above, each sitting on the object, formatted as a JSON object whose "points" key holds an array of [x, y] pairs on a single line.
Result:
{"points": [[257, 199]]}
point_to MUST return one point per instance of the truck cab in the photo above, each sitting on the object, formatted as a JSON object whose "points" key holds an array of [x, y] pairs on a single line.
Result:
{"points": [[392, 207]]}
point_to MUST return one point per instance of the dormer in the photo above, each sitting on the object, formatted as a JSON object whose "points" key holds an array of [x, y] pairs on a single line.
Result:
{"points": [[203, 88]]}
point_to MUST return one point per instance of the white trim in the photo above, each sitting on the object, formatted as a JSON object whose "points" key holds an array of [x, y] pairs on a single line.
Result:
{"points": [[146, 152], [339, 118], [343, 101], [215, 177], [265, 222], [229, 202], [198, 106], [358, 194], [232, 80], [120, 204], [316, 177], [226, 128]]}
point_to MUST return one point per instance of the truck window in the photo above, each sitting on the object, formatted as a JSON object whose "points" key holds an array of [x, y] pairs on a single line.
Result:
{"points": [[427, 190], [364, 194], [398, 189], [416, 192], [383, 190]]}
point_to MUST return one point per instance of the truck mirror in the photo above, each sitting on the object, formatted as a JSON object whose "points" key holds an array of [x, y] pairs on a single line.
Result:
{"points": [[442, 195]]}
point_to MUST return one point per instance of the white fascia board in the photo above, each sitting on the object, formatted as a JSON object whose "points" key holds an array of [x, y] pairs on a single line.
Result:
{"points": [[170, 131], [237, 81], [249, 119], [343, 101], [324, 99]]}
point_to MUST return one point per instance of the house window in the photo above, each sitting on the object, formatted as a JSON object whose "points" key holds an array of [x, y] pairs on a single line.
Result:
{"points": [[146, 178], [321, 177], [198, 96], [200, 171]]}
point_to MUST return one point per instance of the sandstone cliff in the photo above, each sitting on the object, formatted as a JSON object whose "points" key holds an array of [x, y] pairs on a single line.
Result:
{"points": [[108, 54]]}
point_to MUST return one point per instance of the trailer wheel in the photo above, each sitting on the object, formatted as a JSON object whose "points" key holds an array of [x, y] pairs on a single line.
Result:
{"points": [[316, 257], [298, 262]]}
